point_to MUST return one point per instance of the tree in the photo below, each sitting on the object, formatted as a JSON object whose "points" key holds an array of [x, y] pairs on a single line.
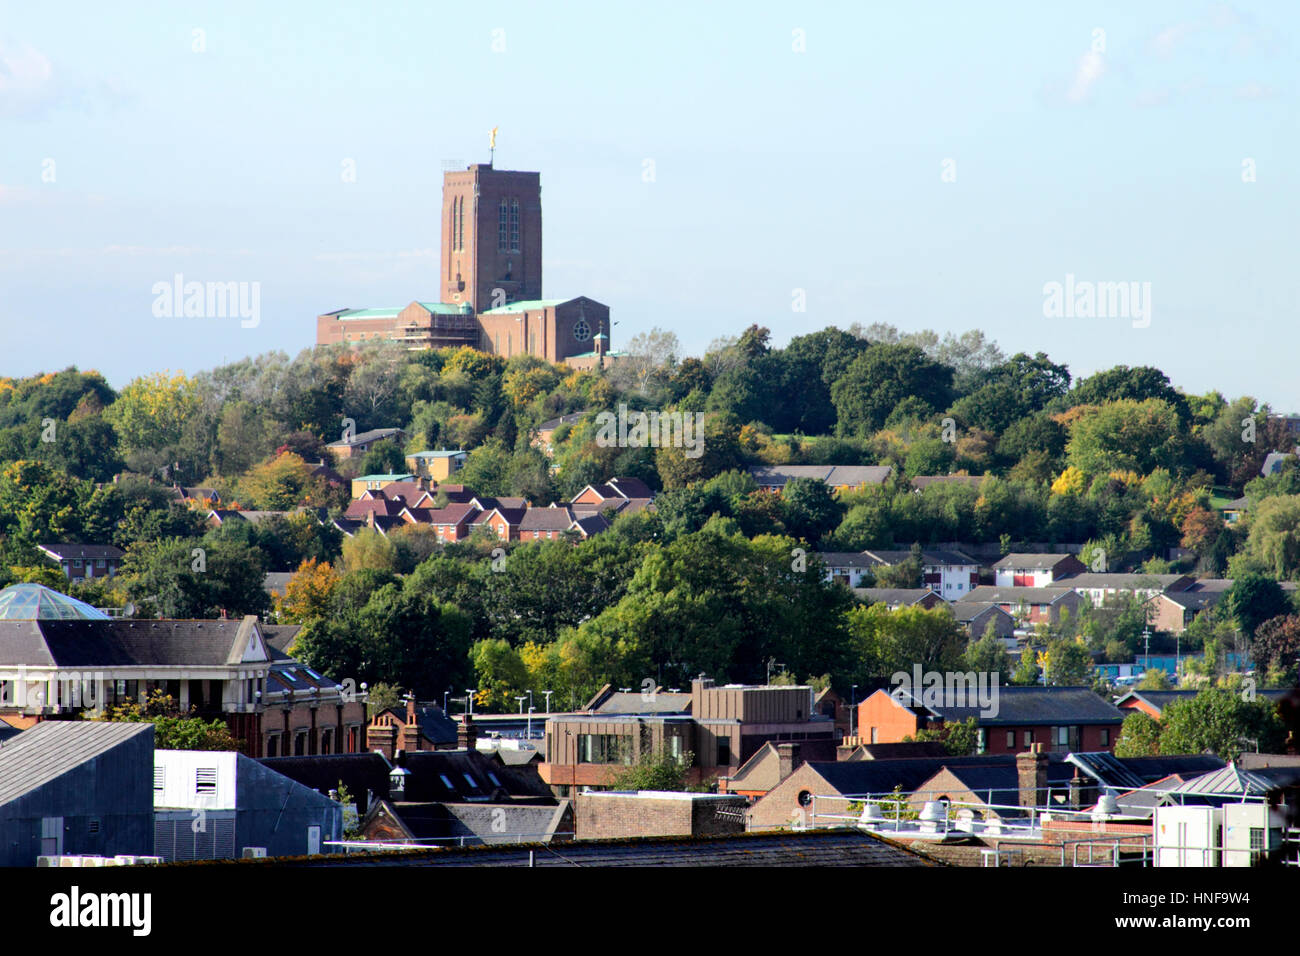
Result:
{"points": [[172, 729], [1127, 435], [1273, 542], [1139, 736], [959, 739], [384, 458], [178, 578], [880, 379], [498, 673], [369, 549], [989, 656], [308, 593], [1277, 643], [886, 641], [657, 770], [809, 508], [152, 410], [1066, 663], [1223, 723], [1254, 599], [281, 483]]}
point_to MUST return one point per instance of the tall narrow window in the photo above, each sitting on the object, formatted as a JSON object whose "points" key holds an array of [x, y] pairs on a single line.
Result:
{"points": [[460, 223], [514, 225], [503, 227]]}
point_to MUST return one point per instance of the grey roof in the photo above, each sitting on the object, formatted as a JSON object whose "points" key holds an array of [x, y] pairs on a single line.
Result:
{"points": [[1037, 562], [276, 581], [967, 611], [928, 558], [92, 551], [1160, 699], [909, 773], [988, 594], [546, 519], [906, 596], [1233, 781], [831, 474], [1026, 706], [122, 643], [1091, 581], [507, 822], [372, 435], [359, 772], [845, 559], [1193, 599], [1273, 462], [660, 703], [1124, 773], [837, 847], [53, 747], [554, 423]]}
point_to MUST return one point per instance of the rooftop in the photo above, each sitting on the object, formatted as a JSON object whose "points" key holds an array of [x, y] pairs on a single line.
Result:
{"points": [[36, 602]]}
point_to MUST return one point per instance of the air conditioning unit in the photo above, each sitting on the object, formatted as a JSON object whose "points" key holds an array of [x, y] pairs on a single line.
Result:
{"points": [[254, 852], [133, 860], [47, 861]]}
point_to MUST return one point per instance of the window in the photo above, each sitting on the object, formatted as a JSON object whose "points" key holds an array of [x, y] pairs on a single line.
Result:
{"points": [[514, 225], [724, 751], [1011, 739], [503, 227], [326, 740], [1256, 844], [1029, 737], [1105, 737], [300, 743], [273, 745], [446, 781], [76, 562], [981, 740], [1062, 735], [493, 777], [602, 748], [205, 780], [473, 784], [805, 798]]}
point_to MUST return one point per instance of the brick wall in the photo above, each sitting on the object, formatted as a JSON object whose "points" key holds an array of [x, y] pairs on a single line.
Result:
{"points": [[604, 816]]}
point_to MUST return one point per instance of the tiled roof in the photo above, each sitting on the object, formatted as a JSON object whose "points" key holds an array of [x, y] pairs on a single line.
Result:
{"points": [[72, 551], [364, 437], [906, 596], [1034, 562], [770, 475], [1028, 706], [989, 594], [122, 643]]}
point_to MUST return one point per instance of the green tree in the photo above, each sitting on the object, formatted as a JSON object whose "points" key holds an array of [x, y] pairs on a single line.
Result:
{"points": [[1223, 723], [880, 379], [658, 770], [1139, 736], [152, 410]]}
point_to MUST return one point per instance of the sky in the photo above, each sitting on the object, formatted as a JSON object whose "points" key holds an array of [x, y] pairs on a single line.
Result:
{"points": [[704, 167]]}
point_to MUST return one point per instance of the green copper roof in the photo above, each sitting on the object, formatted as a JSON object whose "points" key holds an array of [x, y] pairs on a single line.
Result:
{"points": [[437, 308], [35, 602], [528, 306]]}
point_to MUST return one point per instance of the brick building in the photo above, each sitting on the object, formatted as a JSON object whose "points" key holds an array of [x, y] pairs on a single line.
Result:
{"points": [[613, 814], [490, 282]]}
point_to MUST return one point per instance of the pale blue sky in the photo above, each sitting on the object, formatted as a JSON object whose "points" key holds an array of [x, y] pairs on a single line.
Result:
{"points": [[774, 170]]}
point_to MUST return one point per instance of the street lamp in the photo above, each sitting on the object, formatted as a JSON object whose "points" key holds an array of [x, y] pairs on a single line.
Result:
{"points": [[521, 700], [529, 732], [853, 708], [530, 698], [445, 694], [548, 694], [469, 700]]}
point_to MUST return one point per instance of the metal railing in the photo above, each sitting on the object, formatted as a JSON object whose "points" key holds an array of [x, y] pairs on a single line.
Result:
{"points": [[442, 843]]}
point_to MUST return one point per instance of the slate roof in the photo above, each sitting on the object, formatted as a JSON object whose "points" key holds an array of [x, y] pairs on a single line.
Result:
{"points": [[1033, 706], [34, 757], [1035, 562], [69, 552], [123, 643], [428, 767], [988, 594], [553, 423], [837, 847], [966, 611], [845, 559], [882, 776], [1160, 699], [891, 596], [361, 439], [778, 475], [928, 558], [546, 519], [1127, 773], [1094, 581], [359, 772], [631, 703]]}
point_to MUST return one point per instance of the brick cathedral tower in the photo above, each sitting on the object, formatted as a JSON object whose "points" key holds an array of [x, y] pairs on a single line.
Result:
{"points": [[491, 237]]}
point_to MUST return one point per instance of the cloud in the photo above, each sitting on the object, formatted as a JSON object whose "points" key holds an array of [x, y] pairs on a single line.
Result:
{"points": [[27, 84], [1168, 39], [1254, 91], [1090, 69]]}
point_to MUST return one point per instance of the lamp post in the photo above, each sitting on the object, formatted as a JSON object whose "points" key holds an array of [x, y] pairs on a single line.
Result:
{"points": [[529, 732], [469, 700], [445, 694], [521, 700], [548, 694], [853, 708]]}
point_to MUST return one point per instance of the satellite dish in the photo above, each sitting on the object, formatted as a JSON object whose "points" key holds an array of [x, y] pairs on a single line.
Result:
{"points": [[128, 610]]}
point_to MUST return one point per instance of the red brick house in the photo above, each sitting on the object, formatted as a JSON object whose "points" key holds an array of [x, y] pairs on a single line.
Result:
{"points": [[1062, 718]]}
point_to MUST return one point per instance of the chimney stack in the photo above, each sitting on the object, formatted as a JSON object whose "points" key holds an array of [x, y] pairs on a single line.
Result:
{"points": [[411, 730], [789, 758], [1031, 772], [466, 735]]}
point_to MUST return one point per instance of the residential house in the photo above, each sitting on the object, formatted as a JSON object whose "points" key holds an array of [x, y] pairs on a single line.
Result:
{"points": [[1030, 605], [503, 521], [437, 465], [416, 727], [1035, 570], [364, 775], [546, 524], [894, 598], [847, 567], [1234, 510], [355, 446], [978, 616], [1100, 588], [215, 805], [452, 523], [950, 574], [837, 477], [1065, 718], [76, 788], [364, 483], [80, 562], [546, 431]]}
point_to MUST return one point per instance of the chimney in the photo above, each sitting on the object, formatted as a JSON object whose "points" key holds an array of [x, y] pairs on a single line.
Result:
{"points": [[466, 735], [1031, 772], [411, 730], [789, 758]]}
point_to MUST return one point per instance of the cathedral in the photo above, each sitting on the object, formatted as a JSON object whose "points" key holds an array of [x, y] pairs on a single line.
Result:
{"points": [[490, 275]]}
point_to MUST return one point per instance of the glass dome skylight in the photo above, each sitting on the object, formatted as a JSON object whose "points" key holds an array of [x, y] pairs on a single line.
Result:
{"points": [[35, 602]]}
